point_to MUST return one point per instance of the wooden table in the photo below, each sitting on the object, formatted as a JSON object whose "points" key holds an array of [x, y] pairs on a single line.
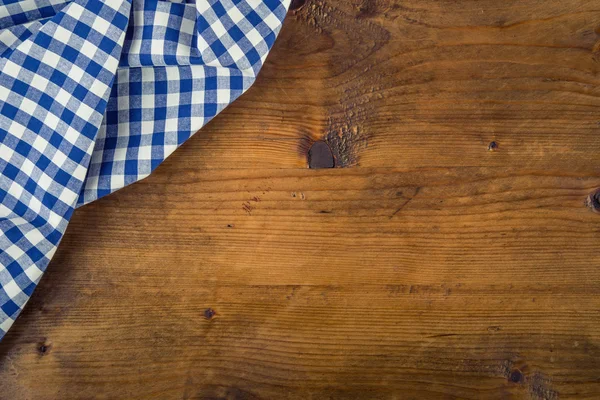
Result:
{"points": [[450, 254]]}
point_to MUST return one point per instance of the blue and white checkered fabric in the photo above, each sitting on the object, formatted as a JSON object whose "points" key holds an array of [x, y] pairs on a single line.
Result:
{"points": [[95, 94]]}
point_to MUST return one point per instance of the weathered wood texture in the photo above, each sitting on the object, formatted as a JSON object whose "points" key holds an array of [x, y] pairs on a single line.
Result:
{"points": [[426, 265]]}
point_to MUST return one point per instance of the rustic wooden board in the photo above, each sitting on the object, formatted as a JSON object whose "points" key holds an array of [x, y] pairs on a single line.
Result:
{"points": [[424, 266]]}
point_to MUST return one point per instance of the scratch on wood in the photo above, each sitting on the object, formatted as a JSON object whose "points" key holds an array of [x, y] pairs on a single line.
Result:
{"points": [[417, 190], [247, 207]]}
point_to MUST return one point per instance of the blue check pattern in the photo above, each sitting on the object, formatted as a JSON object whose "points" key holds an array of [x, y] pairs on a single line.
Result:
{"points": [[95, 94]]}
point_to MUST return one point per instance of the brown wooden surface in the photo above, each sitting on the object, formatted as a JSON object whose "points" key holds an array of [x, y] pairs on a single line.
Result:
{"points": [[424, 266]]}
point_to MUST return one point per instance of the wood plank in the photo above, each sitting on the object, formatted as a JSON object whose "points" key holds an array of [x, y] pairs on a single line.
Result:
{"points": [[428, 282], [476, 223], [424, 266], [422, 83]]}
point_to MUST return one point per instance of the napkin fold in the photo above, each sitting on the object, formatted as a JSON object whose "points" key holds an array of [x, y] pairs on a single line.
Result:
{"points": [[95, 94]]}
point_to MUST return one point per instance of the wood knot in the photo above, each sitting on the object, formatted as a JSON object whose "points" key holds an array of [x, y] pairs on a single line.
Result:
{"points": [[297, 4], [593, 201], [515, 376], [320, 156], [493, 146], [44, 348], [209, 313]]}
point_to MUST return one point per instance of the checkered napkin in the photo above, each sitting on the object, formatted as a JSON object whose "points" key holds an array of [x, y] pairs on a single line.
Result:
{"points": [[95, 94]]}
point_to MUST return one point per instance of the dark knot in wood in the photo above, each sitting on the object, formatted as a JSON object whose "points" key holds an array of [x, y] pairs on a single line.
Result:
{"points": [[209, 313], [320, 156], [593, 201], [493, 146], [44, 348], [515, 376]]}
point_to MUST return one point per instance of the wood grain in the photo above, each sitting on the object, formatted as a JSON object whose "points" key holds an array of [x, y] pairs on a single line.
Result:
{"points": [[427, 264]]}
